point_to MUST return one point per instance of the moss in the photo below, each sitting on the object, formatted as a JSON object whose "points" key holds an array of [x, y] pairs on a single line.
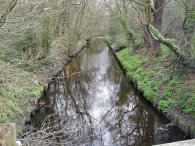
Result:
{"points": [[163, 105], [37, 91], [160, 84], [145, 78], [158, 35], [165, 81], [182, 55], [129, 62]]}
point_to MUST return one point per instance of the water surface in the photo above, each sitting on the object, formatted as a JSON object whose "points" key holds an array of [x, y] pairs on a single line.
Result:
{"points": [[94, 105]]}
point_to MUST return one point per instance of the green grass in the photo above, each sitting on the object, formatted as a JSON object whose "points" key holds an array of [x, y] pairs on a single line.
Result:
{"points": [[163, 105], [129, 62], [18, 89], [37, 91], [14, 107], [145, 78], [161, 84]]}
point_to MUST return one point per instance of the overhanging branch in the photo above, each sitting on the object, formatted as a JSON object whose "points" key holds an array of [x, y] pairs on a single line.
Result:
{"points": [[170, 43]]}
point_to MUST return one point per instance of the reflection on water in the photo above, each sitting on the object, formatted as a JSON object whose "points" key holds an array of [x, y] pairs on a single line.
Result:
{"points": [[100, 105]]}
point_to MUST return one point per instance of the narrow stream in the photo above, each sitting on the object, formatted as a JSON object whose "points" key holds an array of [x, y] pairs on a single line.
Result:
{"points": [[95, 106]]}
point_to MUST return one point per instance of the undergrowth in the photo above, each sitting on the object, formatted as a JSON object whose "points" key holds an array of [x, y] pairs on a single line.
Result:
{"points": [[164, 85], [19, 65], [19, 89]]}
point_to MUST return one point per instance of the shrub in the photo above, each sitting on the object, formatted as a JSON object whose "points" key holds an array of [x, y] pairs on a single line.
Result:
{"points": [[10, 54], [23, 48]]}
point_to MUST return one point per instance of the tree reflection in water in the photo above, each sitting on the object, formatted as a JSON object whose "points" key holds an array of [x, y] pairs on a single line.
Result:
{"points": [[101, 107]]}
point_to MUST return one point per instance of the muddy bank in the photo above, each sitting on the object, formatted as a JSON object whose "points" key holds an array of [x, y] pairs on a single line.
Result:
{"points": [[183, 121]]}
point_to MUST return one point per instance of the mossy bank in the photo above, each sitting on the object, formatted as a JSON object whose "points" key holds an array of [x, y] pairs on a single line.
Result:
{"points": [[165, 83], [19, 93], [22, 84]]}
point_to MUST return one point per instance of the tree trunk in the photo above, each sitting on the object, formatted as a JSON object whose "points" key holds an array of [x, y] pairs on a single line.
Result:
{"points": [[46, 37], [188, 26], [157, 22], [148, 38]]}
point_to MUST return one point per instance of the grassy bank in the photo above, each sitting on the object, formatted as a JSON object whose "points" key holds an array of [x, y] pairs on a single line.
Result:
{"points": [[164, 82], [19, 92], [20, 79]]}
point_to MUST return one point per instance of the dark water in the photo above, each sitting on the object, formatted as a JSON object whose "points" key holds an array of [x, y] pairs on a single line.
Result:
{"points": [[92, 105]]}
